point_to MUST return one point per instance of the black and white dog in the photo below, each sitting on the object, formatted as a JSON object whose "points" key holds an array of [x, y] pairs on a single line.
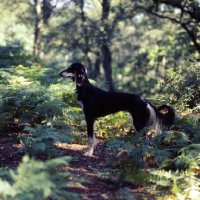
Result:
{"points": [[98, 103]]}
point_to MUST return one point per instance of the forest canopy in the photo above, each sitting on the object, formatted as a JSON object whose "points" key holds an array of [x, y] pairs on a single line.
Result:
{"points": [[126, 45]]}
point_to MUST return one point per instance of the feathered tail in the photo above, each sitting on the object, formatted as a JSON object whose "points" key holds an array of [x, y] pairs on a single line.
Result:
{"points": [[162, 117]]}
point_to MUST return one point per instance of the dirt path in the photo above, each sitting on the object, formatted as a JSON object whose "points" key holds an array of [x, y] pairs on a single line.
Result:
{"points": [[87, 168]]}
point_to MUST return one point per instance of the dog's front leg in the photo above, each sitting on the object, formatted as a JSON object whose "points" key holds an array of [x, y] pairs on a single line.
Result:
{"points": [[91, 135]]}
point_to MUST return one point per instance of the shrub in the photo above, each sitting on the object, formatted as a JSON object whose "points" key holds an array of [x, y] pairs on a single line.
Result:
{"points": [[114, 125], [27, 102], [183, 84], [133, 155], [13, 54], [47, 111], [42, 140], [37, 180]]}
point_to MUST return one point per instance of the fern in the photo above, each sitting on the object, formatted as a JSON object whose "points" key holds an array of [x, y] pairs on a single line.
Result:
{"points": [[26, 102], [42, 140], [113, 125], [37, 180], [180, 183], [140, 152], [174, 139]]}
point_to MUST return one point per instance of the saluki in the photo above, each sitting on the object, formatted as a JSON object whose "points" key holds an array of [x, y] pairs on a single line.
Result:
{"points": [[98, 103]]}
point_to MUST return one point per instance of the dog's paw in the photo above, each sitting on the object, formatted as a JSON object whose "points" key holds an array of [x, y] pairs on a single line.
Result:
{"points": [[88, 153]]}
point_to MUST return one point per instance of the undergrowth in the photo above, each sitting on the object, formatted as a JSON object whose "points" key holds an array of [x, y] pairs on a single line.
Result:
{"points": [[42, 140], [38, 180], [168, 164], [39, 114], [41, 109]]}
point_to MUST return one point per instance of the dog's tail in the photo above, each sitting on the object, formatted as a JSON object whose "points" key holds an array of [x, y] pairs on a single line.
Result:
{"points": [[161, 117]]}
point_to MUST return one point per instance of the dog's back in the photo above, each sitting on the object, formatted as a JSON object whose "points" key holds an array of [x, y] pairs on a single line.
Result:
{"points": [[98, 103]]}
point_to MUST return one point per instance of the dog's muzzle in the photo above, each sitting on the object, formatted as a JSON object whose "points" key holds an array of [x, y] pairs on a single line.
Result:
{"points": [[66, 75]]}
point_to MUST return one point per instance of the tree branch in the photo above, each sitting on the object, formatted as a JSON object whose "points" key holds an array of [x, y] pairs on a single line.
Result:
{"points": [[184, 25]]}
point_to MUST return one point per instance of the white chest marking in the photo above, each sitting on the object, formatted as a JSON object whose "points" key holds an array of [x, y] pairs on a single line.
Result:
{"points": [[81, 104]]}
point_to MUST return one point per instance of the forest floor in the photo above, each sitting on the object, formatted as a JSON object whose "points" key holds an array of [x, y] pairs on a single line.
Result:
{"points": [[86, 168]]}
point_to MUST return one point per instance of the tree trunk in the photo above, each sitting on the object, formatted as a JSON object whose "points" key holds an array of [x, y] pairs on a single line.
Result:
{"points": [[47, 10], [85, 34], [105, 51], [96, 72], [38, 29], [107, 60]]}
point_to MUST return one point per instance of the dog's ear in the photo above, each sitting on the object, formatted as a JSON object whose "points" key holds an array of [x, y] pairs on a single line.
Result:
{"points": [[84, 70], [81, 74], [81, 69]]}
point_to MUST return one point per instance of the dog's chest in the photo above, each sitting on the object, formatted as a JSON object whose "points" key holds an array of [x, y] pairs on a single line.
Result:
{"points": [[81, 104]]}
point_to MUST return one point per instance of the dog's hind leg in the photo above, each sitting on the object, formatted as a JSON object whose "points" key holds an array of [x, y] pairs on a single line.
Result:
{"points": [[138, 126], [141, 120], [91, 136]]}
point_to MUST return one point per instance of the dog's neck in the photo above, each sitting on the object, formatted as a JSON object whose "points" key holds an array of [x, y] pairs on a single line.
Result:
{"points": [[81, 80], [83, 85]]}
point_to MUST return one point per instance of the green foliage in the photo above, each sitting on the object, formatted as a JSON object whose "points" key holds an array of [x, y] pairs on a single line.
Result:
{"points": [[190, 156], [42, 114], [175, 153], [185, 130], [183, 84], [37, 180], [131, 175], [139, 150], [181, 183], [113, 125], [132, 155], [164, 42], [178, 176], [79, 139], [30, 102], [43, 140], [174, 137], [13, 54]]}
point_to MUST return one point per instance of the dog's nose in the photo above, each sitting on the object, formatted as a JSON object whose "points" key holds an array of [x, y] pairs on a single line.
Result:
{"points": [[60, 74]]}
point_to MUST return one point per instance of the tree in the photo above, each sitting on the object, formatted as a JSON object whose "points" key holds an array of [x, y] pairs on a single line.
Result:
{"points": [[133, 41], [30, 17], [186, 13], [38, 28], [96, 31], [43, 11], [104, 44]]}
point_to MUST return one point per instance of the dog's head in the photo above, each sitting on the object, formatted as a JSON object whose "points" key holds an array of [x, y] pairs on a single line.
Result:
{"points": [[76, 71]]}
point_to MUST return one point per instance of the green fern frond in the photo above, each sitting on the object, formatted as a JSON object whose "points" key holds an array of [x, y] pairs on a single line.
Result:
{"points": [[178, 137], [43, 140], [38, 180], [180, 182]]}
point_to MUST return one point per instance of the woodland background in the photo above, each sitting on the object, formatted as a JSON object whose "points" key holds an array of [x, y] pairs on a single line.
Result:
{"points": [[131, 42], [150, 48]]}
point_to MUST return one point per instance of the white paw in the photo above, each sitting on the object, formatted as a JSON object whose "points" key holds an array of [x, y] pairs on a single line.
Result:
{"points": [[87, 153]]}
